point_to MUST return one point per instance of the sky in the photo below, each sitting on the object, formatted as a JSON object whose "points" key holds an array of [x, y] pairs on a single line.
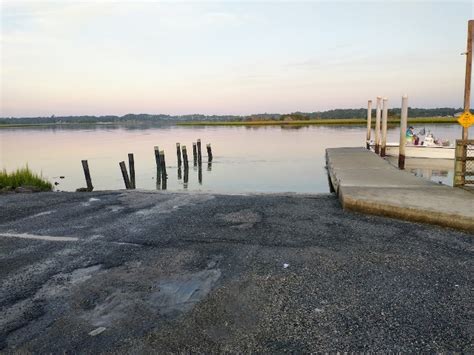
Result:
{"points": [[228, 57]]}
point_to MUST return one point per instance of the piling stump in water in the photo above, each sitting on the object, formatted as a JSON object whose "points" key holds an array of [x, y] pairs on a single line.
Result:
{"points": [[186, 178], [157, 159], [178, 153], [131, 168], [194, 153], [209, 152], [163, 165], [87, 175], [126, 180], [185, 157], [198, 144], [158, 180]]}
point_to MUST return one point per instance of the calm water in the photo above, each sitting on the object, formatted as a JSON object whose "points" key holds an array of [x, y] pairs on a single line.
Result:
{"points": [[246, 159]]}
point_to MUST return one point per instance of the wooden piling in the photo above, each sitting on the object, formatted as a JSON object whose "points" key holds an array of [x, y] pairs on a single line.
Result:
{"points": [[209, 152], [384, 127], [158, 180], [459, 164], [377, 124], [200, 174], [369, 123], [178, 153], [186, 177], [185, 157], [131, 168], [157, 158], [467, 80], [194, 153], [403, 133], [87, 175], [164, 185], [199, 151], [163, 165], [126, 180]]}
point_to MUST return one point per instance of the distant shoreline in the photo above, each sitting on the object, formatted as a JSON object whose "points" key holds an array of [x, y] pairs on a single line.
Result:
{"points": [[324, 122]]}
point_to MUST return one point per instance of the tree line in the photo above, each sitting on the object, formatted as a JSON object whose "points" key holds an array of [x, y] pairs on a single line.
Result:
{"points": [[162, 118]]}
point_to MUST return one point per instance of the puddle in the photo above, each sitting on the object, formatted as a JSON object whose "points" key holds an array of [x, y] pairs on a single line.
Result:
{"points": [[176, 296]]}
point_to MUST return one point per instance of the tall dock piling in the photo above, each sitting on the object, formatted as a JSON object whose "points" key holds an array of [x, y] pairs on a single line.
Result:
{"points": [[467, 80], [369, 123], [377, 124], [178, 154], [126, 179], [384, 127], [131, 168], [87, 175], [403, 130], [194, 154], [199, 151], [209, 152]]}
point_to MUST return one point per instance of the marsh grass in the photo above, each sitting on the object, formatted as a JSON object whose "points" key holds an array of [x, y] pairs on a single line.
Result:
{"points": [[23, 177], [323, 122]]}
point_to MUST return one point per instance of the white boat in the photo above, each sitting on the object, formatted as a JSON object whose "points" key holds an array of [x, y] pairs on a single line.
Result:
{"points": [[428, 149], [421, 151]]}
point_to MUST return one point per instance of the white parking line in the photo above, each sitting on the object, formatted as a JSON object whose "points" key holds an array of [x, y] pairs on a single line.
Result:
{"points": [[39, 237]]}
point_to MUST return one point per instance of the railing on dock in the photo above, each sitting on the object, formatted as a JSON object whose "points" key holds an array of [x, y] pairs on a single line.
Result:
{"points": [[464, 163]]}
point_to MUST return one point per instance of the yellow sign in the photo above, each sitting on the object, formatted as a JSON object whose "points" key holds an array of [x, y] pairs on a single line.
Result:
{"points": [[466, 119]]}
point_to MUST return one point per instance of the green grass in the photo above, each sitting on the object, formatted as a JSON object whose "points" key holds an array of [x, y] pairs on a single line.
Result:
{"points": [[333, 121], [325, 121], [23, 177]]}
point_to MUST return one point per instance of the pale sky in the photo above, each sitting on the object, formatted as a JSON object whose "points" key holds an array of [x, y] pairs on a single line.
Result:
{"points": [[232, 57]]}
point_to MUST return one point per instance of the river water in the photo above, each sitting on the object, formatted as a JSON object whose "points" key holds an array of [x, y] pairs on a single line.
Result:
{"points": [[246, 159]]}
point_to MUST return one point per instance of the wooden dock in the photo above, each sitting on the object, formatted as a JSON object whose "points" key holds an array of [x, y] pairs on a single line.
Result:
{"points": [[366, 183]]}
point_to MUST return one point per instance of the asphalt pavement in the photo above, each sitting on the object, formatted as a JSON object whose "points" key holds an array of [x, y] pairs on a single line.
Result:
{"points": [[148, 272]]}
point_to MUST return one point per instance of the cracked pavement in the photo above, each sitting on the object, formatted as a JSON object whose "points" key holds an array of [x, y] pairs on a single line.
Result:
{"points": [[147, 272]]}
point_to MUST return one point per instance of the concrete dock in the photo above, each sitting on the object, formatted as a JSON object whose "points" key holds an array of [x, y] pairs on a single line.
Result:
{"points": [[366, 183]]}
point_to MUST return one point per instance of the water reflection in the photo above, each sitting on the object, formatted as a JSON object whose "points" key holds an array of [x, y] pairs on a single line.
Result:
{"points": [[158, 179], [437, 170], [186, 178], [249, 159]]}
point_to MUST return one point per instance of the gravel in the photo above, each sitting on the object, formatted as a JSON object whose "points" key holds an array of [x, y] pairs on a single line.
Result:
{"points": [[147, 272]]}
